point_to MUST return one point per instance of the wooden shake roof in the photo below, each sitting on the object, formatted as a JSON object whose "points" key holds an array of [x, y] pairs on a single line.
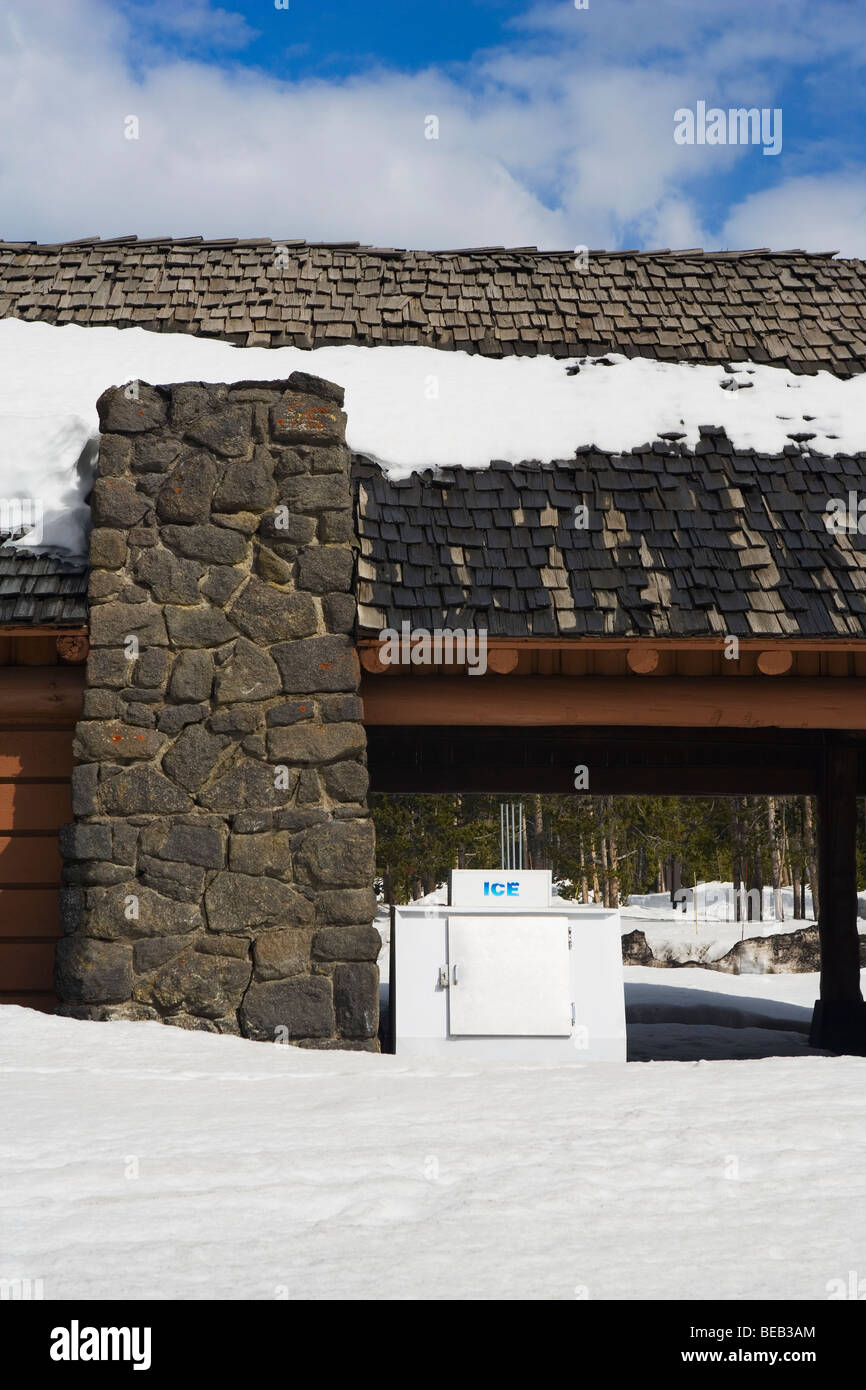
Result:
{"points": [[678, 544], [801, 310], [41, 590]]}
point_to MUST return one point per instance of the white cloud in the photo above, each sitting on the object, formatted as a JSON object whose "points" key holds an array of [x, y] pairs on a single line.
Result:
{"points": [[193, 20], [563, 137], [821, 213], [739, 34]]}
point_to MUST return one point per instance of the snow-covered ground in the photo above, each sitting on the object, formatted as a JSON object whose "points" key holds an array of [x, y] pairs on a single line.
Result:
{"points": [[409, 407], [138, 1161], [704, 1015]]}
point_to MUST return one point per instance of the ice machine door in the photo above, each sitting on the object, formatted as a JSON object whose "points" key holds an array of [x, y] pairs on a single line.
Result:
{"points": [[509, 977]]}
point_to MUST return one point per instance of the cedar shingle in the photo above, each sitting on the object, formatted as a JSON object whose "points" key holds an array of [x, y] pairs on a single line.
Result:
{"points": [[747, 552], [805, 311]]}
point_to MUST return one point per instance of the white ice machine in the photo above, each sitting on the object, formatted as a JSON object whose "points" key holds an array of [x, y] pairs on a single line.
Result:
{"points": [[507, 970]]}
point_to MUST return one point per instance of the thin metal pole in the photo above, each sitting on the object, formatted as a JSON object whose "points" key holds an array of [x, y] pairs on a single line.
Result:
{"points": [[511, 828]]}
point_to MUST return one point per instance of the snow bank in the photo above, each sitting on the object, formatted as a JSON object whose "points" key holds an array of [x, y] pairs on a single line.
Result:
{"points": [[715, 904], [47, 464], [674, 936], [696, 996], [414, 407], [679, 1015], [145, 1162]]}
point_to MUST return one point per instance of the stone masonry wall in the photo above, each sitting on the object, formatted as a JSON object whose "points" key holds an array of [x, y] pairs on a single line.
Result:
{"points": [[219, 871]]}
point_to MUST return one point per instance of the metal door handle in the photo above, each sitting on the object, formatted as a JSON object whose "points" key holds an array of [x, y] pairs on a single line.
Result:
{"points": [[456, 976]]}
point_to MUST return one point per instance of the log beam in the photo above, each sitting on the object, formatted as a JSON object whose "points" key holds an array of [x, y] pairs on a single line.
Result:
{"points": [[750, 702], [41, 695], [626, 762], [775, 661], [642, 660]]}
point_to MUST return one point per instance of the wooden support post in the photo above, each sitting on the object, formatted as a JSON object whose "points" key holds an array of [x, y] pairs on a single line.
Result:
{"points": [[839, 1019]]}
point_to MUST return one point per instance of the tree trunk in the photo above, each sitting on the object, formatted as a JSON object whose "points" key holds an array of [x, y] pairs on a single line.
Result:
{"points": [[758, 883], [537, 857], [811, 856], [584, 886], [676, 876], [737, 857], [615, 875], [596, 891], [640, 873], [604, 870], [775, 860]]}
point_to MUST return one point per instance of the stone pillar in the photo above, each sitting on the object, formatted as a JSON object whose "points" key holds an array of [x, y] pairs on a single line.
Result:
{"points": [[220, 867]]}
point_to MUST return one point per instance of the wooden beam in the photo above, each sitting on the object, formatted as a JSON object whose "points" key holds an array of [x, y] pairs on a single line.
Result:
{"points": [[735, 780], [642, 660], [775, 662], [839, 1019], [710, 702], [502, 660], [43, 756], [34, 651], [50, 630], [628, 761], [73, 647], [715, 644], [40, 695], [370, 659]]}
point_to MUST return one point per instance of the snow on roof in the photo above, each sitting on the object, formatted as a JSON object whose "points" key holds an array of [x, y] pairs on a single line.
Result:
{"points": [[408, 407]]}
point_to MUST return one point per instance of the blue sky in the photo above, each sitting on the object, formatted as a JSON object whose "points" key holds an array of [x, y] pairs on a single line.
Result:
{"points": [[333, 38], [555, 124]]}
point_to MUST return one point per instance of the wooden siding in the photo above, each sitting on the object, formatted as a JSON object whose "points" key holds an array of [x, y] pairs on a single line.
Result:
{"points": [[39, 703]]}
